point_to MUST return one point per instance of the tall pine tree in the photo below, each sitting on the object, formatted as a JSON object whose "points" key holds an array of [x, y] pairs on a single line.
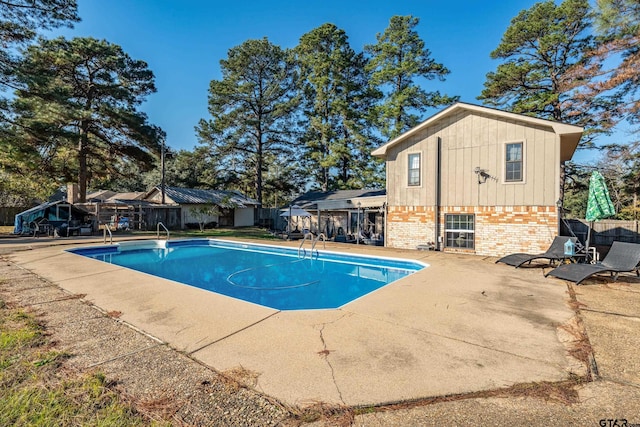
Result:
{"points": [[398, 60], [76, 111], [540, 52], [252, 109], [337, 103]]}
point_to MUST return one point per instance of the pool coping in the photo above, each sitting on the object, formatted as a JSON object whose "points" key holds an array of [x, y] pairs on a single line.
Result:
{"points": [[491, 325], [290, 254]]}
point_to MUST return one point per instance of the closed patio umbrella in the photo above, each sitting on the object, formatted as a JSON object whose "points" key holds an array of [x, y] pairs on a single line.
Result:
{"points": [[599, 205]]}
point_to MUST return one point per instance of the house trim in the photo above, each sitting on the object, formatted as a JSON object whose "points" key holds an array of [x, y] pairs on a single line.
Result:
{"points": [[569, 134]]}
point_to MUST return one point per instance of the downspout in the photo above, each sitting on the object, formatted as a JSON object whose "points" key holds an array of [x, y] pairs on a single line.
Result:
{"points": [[560, 175], [436, 207]]}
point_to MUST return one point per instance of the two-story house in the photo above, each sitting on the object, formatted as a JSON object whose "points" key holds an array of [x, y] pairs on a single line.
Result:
{"points": [[478, 180]]}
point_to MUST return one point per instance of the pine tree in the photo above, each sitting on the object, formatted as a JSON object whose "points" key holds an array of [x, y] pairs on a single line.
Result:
{"points": [[252, 109], [337, 104], [76, 111], [615, 66], [398, 60], [540, 52]]}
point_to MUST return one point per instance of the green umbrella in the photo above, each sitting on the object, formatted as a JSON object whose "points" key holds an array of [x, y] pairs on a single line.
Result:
{"points": [[599, 205]]}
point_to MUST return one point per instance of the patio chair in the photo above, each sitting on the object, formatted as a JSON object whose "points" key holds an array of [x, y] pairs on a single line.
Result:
{"points": [[553, 254], [621, 258]]}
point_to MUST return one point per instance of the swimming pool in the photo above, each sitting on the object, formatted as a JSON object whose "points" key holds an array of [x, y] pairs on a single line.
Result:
{"points": [[272, 276]]}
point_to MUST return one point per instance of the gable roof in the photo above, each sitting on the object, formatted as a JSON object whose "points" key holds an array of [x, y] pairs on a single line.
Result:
{"points": [[570, 134], [100, 195], [194, 196]]}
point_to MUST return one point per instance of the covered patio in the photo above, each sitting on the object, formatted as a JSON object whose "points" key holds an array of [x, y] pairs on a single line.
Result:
{"points": [[347, 216]]}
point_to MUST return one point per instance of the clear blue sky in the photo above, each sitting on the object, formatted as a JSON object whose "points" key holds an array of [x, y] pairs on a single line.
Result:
{"points": [[183, 41]]}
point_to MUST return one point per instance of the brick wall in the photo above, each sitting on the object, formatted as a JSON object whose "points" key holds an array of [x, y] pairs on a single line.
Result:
{"points": [[499, 230], [410, 226]]}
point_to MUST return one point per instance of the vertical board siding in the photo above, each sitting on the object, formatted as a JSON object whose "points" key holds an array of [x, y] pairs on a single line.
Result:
{"points": [[471, 140]]}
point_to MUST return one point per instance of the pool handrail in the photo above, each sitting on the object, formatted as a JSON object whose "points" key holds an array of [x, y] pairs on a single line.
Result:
{"points": [[158, 230], [314, 241], [105, 230]]}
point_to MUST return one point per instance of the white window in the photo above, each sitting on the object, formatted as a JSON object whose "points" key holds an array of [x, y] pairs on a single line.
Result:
{"points": [[459, 231], [414, 169], [513, 162]]}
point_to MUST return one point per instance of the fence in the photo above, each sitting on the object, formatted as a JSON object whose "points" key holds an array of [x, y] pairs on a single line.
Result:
{"points": [[8, 214], [270, 218], [605, 232]]}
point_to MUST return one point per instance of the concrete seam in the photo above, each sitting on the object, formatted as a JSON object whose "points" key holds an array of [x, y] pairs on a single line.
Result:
{"points": [[592, 365], [93, 365], [190, 353], [609, 313]]}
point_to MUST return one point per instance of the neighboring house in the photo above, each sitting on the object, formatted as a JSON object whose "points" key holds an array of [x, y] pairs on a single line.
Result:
{"points": [[478, 180], [335, 211], [236, 210], [129, 211]]}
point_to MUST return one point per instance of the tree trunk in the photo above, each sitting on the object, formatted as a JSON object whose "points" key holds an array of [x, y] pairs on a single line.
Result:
{"points": [[259, 161], [82, 162]]}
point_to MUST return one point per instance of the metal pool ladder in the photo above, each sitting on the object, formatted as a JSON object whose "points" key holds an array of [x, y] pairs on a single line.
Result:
{"points": [[314, 242], [158, 230], [107, 229]]}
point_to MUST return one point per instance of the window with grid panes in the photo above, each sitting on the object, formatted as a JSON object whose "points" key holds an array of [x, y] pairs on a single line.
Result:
{"points": [[460, 231], [414, 169], [513, 162]]}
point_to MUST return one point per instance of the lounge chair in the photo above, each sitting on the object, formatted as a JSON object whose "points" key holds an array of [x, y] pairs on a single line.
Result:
{"points": [[621, 258], [553, 254]]}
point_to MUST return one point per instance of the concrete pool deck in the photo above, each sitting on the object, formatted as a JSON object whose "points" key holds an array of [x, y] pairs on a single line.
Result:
{"points": [[461, 325]]}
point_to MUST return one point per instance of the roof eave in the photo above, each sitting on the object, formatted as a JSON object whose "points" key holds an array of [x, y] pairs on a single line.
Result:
{"points": [[558, 127]]}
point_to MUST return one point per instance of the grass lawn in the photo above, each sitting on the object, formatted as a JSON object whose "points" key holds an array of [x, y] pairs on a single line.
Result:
{"points": [[246, 232], [35, 389]]}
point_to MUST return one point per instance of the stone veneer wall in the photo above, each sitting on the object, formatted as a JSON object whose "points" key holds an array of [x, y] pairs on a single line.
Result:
{"points": [[500, 230]]}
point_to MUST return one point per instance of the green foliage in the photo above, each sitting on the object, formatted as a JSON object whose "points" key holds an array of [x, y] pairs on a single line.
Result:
{"points": [[282, 181], [76, 114], [616, 57], [37, 390], [203, 213], [541, 51], [243, 232], [252, 109], [337, 106], [398, 60], [620, 165], [576, 191], [617, 18], [20, 21]]}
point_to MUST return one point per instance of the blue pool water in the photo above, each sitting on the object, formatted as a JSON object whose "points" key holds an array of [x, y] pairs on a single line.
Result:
{"points": [[280, 278]]}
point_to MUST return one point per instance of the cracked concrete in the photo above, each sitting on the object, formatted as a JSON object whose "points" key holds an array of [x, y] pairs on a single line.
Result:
{"points": [[491, 325], [324, 353]]}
